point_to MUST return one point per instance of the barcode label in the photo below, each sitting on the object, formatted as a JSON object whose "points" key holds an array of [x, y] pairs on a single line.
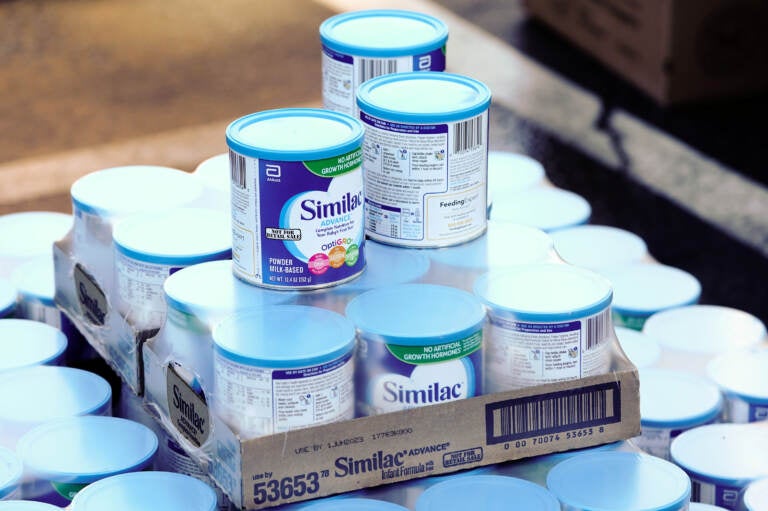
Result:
{"points": [[597, 329], [237, 169], [468, 135], [371, 68], [513, 419]]}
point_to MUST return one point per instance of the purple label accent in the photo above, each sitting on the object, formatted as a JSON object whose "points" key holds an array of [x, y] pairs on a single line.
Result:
{"points": [[383, 206], [397, 127], [758, 412], [431, 61], [341, 57], [727, 496], [307, 372], [542, 328]]}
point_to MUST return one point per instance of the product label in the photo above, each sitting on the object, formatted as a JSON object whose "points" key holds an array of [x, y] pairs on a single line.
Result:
{"points": [[93, 302], [343, 74], [258, 401], [297, 224], [140, 290], [426, 184], [394, 377], [67, 490], [522, 354], [714, 494], [740, 411], [656, 441], [187, 408]]}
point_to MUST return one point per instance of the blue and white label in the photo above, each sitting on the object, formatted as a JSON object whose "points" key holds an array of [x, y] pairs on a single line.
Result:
{"points": [[343, 74], [140, 297], [740, 411], [714, 494]]}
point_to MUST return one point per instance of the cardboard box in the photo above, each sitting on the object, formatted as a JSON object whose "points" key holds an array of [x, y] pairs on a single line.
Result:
{"points": [[674, 50], [366, 452]]}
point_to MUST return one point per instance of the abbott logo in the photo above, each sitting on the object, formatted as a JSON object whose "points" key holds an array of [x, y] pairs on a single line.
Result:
{"points": [[272, 170]]}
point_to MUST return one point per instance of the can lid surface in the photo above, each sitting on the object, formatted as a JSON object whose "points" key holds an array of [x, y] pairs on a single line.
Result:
{"points": [[644, 289], [743, 373], [24, 343], [599, 246], [31, 233], [674, 399], [11, 470], [487, 492], [546, 208]]}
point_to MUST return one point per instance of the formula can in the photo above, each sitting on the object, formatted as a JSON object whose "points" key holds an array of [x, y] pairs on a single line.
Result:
{"points": [[7, 299], [672, 402], [486, 492], [598, 247], [425, 164], [10, 475], [31, 396], [297, 198], [743, 378], [619, 480], [283, 367], [693, 335], [64, 456], [755, 497], [641, 349], [26, 235], [546, 208], [418, 345], [361, 45], [641, 290], [721, 460], [139, 491], [25, 343], [511, 173], [547, 323], [151, 247]]}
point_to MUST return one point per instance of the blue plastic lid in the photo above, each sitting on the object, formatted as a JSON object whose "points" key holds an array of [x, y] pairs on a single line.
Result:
{"points": [[383, 33], [35, 280], [416, 314], [181, 236], [643, 289], [86, 449], [756, 496], [641, 349], [42, 393], [134, 189], [503, 245], [743, 374], [295, 134], [215, 172], [10, 472], [32, 233], [210, 290], [487, 493], [423, 97], [387, 265], [512, 172], [546, 208], [26, 505], [24, 343], [599, 246], [727, 454], [285, 336], [611, 480], [353, 504], [700, 506], [674, 399], [140, 491], [705, 329], [8, 295], [544, 292]]}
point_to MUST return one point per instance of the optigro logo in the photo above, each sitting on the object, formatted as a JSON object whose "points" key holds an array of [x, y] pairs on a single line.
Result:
{"points": [[336, 243]]}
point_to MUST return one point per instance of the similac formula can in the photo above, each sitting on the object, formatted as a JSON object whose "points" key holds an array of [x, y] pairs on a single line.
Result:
{"points": [[641, 290], [385, 265], [425, 158], [26, 505], [102, 197], [546, 208], [503, 245], [62, 457], [722, 459], [10, 475], [297, 198], [151, 247], [283, 367], [140, 491], [7, 298], [743, 378], [25, 343], [31, 396], [487, 492], [691, 336], [510, 172], [598, 247], [672, 402], [29, 234], [547, 323], [418, 345], [214, 173], [353, 504], [755, 497], [641, 349], [361, 45], [619, 480]]}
